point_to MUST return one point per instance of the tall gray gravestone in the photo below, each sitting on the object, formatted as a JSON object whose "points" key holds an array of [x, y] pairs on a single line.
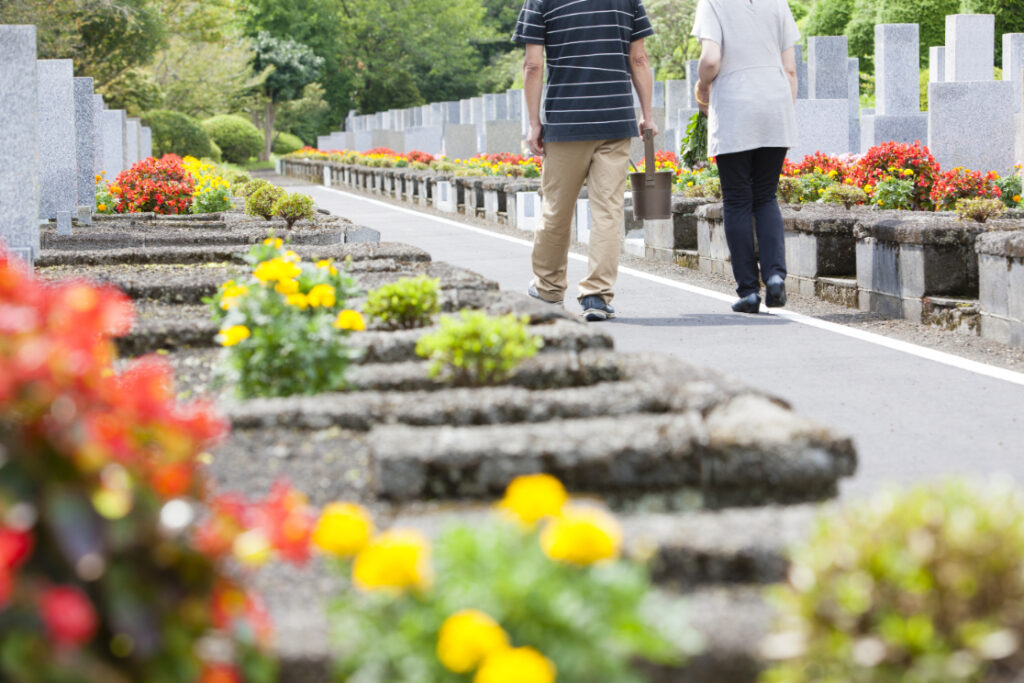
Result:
{"points": [[132, 127], [801, 72], [98, 108], [146, 142], [85, 148], [853, 101], [514, 103], [937, 64], [502, 136], [1013, 63], [826, 67], [460, 141], [823, 120], [898, 116], [113, 123], [429, 139], [452, 111], [19, 151], [971, 116], [58, 184]]}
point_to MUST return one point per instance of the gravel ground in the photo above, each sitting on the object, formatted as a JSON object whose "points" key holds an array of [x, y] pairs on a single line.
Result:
{"points": [[970, 347]]}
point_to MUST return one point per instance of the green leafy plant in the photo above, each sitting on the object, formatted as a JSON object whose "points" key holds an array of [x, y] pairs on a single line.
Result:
{"points": [[261, 200], [237, 138], [813, 186], [694, 149], [477, 348], [176, 133], [1010, 189], [921, 585], [285, 328], [845, 194], [894, 193], [980, 209], [790, 190], [499, 583], [293, 207], [406, 303], [245, 188], [709, 188]]}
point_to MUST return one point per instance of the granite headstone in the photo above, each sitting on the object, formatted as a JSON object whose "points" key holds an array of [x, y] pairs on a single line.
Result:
{"points": [[58, 183], [19, 151], [85, 148]]}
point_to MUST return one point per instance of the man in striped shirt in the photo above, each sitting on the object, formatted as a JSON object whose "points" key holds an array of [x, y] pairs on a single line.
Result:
{"points": [[595, 55]]}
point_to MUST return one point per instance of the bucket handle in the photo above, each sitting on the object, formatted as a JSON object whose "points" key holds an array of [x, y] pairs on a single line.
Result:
{"points": [[649, 169]]}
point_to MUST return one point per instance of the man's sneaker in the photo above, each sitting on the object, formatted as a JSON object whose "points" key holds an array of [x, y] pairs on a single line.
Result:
{"points": [[595, 309], [775, 292], [532, 291]]}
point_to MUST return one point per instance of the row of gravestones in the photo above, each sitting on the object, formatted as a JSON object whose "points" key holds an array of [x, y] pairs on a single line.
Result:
{"points": [[56, 135], [973, 121]]}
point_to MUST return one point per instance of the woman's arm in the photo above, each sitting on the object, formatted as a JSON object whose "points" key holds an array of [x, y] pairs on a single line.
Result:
{"points": [[789, 64], [707, 71]]}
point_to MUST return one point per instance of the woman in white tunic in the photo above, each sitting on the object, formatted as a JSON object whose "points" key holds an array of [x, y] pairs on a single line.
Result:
{"points": [[748, 88]]}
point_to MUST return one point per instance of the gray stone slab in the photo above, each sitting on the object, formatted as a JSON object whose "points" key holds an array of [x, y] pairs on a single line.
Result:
{"points": [[1013, 63], [906, 129], [676, 99], [897, 69], [692, 76], [452, 112], [962, 133], [801, 73], [132, 139], [826, 67], [363, 140], [429, 139], [528, 211], [658, 96], [85, 144], [822, 125], [58, 185], [465, 111], [98, 108], [853, 101], [322, 142], [112, 122], [146, 142], [503, 136], [970, 47], [937, 64], [19, 151], [460, 141], [392, 139], [436, 117], [476, 110], [496, 107], [514, 103]]}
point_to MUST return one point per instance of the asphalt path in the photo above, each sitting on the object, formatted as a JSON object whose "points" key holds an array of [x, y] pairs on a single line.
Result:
{"points": [[915, 414]]}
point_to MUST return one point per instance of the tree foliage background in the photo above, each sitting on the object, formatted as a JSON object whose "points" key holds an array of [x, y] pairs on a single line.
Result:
{"points": [[197, 56]]}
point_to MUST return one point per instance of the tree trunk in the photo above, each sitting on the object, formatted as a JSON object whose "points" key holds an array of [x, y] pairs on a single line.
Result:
{"points": [[269, 114]]}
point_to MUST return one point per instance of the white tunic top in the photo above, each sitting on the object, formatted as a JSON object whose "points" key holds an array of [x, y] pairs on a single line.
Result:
{"points": [[751, 103]]}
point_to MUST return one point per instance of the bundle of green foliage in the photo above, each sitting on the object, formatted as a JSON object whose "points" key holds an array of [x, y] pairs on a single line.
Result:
{"points": [[248, 186], [261, 201], [293, 208], [895, 193], [406, 303], [709, 188], [980, 209], [789, 189], [237, 138], [477, 348], [845, 194], [922, 585], [176, 133], [286, 143]]}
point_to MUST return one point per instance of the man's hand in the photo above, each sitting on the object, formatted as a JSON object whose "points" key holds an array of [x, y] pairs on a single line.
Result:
{"points": [[648, 123], [703, 94], [535, 140]]}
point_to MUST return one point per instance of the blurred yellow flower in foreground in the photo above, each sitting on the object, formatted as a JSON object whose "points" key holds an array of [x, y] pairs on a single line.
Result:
{"points": [[298, 300], [322, 295], [396, 560], [517, 665], [343, 529], [533, 497], [275, 242], [252, 548], [583, 534], [233, 335], [287, 287], [350, 320], [276, 269], [466, 638]]}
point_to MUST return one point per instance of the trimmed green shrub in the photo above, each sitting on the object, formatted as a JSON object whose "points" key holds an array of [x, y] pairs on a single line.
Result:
{"points": [[248, 186], [260, 202], [847, 195], [406, 303], [790, 189], [286, 143], [828, 18], [215, 153], [1010, 187], [293, 207], [237, 138], [709, 188], [925, 585], [980, 209], [477, 348], [895, 193], [176, 133], [929, 15]]}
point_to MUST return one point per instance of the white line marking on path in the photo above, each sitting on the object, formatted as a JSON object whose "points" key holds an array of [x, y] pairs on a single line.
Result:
{"points": [[860, 335]]}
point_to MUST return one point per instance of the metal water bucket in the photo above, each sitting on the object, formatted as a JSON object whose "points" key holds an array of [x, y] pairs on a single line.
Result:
{"points": [[652, 190]]}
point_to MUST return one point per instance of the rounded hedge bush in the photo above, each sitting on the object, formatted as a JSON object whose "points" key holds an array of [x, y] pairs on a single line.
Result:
{"points": [[286, 143], [176, 133], [237, 138]]}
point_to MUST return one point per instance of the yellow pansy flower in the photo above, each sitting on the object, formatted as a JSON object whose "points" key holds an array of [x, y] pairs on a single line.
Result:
{"points": [[350, 320], [466, 638], [531, 498], [343, 529], [298, 300], [322, 296], [583, 534], [287, 287], [276, 269]]}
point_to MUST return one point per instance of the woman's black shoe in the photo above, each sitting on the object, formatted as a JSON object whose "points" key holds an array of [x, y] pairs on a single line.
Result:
{"points": [[751, 303], [775, 292]]}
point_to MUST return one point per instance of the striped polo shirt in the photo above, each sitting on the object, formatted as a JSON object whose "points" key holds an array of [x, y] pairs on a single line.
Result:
{"points": [[589, 90]]}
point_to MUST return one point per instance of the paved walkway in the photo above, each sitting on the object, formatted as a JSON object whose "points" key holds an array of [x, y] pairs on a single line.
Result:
{"points": [[914, 413]]}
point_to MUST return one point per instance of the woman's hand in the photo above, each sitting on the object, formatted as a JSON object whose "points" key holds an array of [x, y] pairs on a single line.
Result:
{"points": [[702, 92]]}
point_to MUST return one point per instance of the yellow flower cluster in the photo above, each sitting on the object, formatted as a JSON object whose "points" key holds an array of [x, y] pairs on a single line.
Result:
{"points": [[350, 320], [343, 529], [210, 187], [470, 639], [234, 335], [232, 293], [395, 561], [574, 533], [277, 270]]}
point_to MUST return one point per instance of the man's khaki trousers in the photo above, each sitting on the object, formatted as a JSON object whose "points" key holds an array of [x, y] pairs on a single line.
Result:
{"points": [[603, 164]]}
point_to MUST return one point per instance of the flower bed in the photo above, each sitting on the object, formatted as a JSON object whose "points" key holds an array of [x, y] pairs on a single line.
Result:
{"points": [[511, 165], [169, 185]]}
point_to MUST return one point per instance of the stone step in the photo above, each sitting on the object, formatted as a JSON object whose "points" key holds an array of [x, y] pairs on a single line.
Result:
{"points": [[745, 451], [362, 251], [838, 290]]}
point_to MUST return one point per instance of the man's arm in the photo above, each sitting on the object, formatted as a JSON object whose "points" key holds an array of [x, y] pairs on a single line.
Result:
{"points": [[533, 87], [789, 65], [640, 70], [707, 71]]}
